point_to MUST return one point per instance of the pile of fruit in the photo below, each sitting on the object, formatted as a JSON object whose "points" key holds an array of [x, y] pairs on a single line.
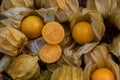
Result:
{"points": [[59, 40]]}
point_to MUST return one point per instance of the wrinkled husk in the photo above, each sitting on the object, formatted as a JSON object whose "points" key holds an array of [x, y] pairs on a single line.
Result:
{"points": [[98, 26], [66, 72], [24, 67], [8, 4], [99, 57], [47, 14], [114, 47], [115, 18], [69, 56], [12, 41], [105, 7], [66, 8], [5, 62], [35, 45], [15, 16], [110, 9], [68, 39]]}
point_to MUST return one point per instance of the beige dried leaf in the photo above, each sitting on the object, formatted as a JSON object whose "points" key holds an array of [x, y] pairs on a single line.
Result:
{"points": [[96, 20], [102, 6], [114, 47], [110, 9], [66, 72], [47, 14], [12, 41], [115, 18], [92, 17], [66, 8], [8, 4], [15, 16], [24, 67], [99, 57], [35, 45]]}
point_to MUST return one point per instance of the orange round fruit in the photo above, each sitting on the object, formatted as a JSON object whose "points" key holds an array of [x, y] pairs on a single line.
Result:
{"points": [[103, 74], [50, 53], [53, 33], [32, 26], [83, 33]]}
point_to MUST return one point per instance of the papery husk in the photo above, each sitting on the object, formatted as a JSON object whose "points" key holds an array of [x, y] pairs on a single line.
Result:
{"points": [[66, 8], [24, 67], [105, 7], [68, 39], [66, 72], [110, 9], [12, 41], [69, 56], [5, 62], [15, 16], [114, 47], [96, 20], [8, 4], [47, 14], [114, 18], [35, 45], [99, 57]]}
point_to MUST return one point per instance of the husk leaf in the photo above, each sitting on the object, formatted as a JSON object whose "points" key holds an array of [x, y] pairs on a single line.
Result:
{"points": [[5, 62], [114, 47], [92, 17], [47, 14], [98, 26], [108, 8], [69, 56], [99, 58], [15, 16], [24, 67], [12, 41], [68, 73], [68, 39], [35, 45], [66, 8], [8, 4], [114, 18], [104, 7]]}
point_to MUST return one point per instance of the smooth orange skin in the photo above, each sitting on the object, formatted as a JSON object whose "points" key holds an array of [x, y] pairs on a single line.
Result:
{"points": [[50, 53], [32, 26], [83, 33], [103, 74], [53, 33]]}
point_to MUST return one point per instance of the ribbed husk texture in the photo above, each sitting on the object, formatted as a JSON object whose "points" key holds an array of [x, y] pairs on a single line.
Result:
{"points": [[66, 72], [114, 47], [73, 53], [24, 67], [110, 9], [99, 57], [8, 4], [65, 8], [12, 41]]}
